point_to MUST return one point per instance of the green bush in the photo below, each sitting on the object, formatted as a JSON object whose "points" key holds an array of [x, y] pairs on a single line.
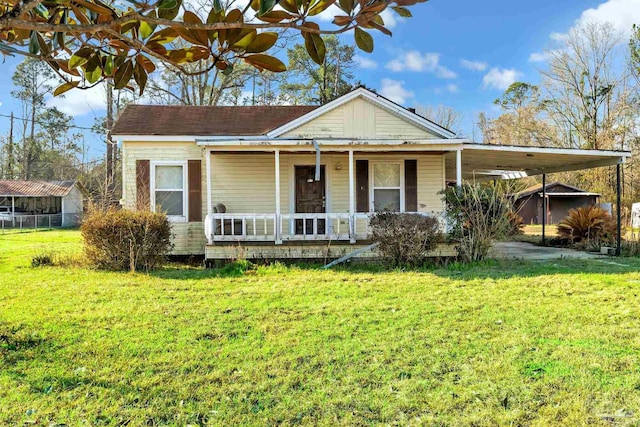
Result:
{"points": [[477, 214], [126, 240], [405, 239]]}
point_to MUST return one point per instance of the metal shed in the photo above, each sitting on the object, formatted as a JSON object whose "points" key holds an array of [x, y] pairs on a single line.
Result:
{"points": [[40, 203]]}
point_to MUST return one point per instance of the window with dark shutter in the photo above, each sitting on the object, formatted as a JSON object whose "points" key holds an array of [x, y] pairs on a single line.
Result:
{"points": [[362, 186], [411, 185], [195, 190]]}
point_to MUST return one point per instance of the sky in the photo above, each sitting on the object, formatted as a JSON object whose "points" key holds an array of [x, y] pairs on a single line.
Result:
{"points": [[459, 53]]}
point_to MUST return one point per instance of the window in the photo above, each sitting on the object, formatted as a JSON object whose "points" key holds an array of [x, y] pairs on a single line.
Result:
{"points": [[169, 193], [387, 187]]}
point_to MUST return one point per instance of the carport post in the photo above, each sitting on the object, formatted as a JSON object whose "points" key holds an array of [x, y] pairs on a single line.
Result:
{"points": [[459, 168], [618, 213], [544, 207]]}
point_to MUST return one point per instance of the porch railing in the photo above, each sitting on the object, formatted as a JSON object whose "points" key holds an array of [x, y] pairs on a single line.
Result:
{"points": [[249, 227]]}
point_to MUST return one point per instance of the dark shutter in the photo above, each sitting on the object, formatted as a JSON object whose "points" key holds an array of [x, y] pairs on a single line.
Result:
{"points": [[362, 186], [411, 185], [195, 190], [143, 190]]}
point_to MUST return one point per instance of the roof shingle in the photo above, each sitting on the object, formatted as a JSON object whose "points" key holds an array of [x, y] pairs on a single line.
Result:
{"points": [[204, 121]]}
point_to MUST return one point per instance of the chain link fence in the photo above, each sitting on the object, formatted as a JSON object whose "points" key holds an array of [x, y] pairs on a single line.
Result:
{"points": [[37, 222]]}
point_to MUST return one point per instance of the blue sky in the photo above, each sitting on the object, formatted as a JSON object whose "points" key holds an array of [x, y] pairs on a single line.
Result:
{"points": [[460, 53]]}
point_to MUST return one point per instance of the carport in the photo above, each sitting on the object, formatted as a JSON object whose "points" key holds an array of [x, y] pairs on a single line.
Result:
{"points": [[484, 162]]}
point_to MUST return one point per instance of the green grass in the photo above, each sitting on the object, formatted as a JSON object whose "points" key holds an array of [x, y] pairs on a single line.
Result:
{"points": [[490, 344]]}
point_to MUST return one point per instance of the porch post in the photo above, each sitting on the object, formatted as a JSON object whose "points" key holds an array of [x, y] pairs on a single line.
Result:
{"points": [[618, 211], [207, 162], [212, 224], [544, 207], [276, 225], [352, 200], [459, 168]]}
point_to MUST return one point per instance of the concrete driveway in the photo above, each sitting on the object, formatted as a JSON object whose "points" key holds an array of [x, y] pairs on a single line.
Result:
{"points": [[529, 251]]}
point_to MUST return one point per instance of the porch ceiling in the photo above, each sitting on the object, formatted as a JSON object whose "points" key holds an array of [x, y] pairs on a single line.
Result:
{"points": [[484, 162]]}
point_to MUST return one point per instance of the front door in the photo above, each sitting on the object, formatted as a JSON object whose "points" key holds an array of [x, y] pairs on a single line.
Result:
{"points": [[310, 198]]}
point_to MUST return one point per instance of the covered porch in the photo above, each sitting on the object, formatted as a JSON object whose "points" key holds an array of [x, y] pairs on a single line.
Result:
{"points": [[313, 190]]}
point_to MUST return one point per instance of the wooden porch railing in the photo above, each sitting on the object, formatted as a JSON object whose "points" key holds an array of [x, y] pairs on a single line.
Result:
{"points": [[249, 227]]}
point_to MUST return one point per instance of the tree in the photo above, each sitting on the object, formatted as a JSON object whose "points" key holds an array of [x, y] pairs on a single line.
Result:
{"points": [[445, 116], [523, 120], [634, 51], [88, 41], [306, 82], [32, 80], [586, 95]]}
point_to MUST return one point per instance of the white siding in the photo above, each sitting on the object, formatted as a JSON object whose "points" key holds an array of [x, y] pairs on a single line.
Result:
{"points": [[188, 237], [360, 118]]}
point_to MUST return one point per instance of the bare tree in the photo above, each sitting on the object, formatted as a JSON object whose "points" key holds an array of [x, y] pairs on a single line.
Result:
{"points": [[445, 116], [587, 91]]}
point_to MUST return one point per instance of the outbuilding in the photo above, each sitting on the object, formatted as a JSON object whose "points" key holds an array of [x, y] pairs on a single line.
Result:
{"points": [[561, 198], [40, 203]]}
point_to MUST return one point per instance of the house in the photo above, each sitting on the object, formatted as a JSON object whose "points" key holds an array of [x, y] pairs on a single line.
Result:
{"points": [[302, 181], [560, 198], [40, 203]]}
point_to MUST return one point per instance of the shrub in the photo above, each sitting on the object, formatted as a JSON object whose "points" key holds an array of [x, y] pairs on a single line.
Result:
{"points": [[42, 258], [126, 240], [589, 224], [405, 239], [477, 214], [516, 224]]}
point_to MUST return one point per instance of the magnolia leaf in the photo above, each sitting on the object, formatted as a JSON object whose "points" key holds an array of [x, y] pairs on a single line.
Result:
{"points": [[262, 42], [265, 62], [147, 29], [363, 40], [80, 57], [168, 4], [93, 69], [380, 27], [122, 75], [276, 16], [95, 7], [315, 47], [140, 76], [245, 39], [266, 6], [290, 6], [108, 65], [402, 11], [320, 6], [228, 70], [146, 63], [346, 5], [34, 46], [42, 11], [341, 20], [170, 12], [217, 6], [65, 87], [166, 35]]}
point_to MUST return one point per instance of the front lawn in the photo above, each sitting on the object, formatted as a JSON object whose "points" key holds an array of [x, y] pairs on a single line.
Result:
{"points": [[496, 344]]}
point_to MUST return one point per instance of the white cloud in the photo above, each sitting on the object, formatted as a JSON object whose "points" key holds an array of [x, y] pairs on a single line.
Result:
{"points": [[500, 78], [420, 62], [395, 91], [389, 18], [621, 14], [539, 56], [365, 63], [451, 88], [78, 102], [474, 65]]}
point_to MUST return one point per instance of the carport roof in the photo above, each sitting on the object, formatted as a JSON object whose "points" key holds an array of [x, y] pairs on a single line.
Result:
{"points": [[484, 161], [23, 188]]}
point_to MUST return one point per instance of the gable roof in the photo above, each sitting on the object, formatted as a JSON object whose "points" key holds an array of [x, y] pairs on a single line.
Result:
{"points": [[379, 100], [22, 188], [538, 188], [204, 120]]}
